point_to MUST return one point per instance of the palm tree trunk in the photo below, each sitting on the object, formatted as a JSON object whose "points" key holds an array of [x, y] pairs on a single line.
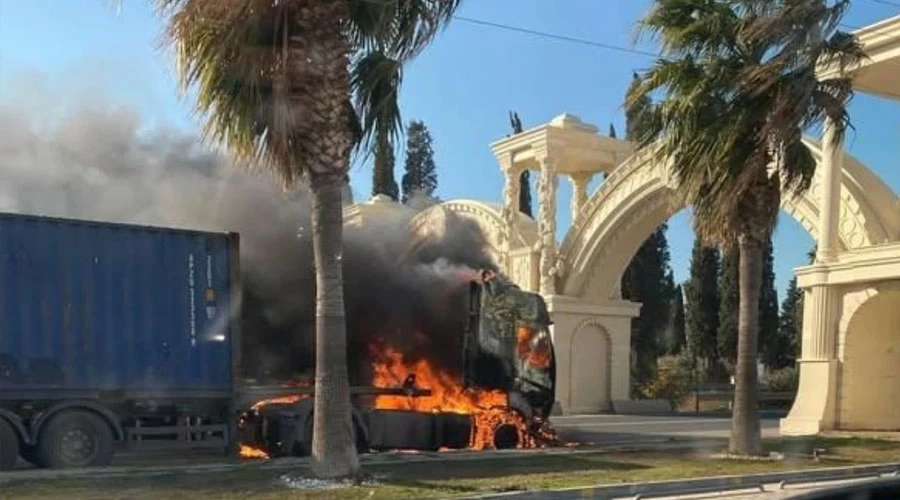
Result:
{"points": [[333, 447], [745, 430]]}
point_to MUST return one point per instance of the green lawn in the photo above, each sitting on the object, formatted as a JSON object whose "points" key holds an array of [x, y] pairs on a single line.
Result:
{"points": [[457, 477]]}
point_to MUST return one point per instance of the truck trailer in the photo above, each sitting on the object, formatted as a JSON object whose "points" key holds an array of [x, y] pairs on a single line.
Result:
{"points": [[125, 336]]}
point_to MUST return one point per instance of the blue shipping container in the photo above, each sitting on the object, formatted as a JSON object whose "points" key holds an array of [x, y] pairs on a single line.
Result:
{"points": [[99, 306]]}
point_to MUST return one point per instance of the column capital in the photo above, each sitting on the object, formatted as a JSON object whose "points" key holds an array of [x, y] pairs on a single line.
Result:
{"points": [[545, 160], [581, 177], [506, 163]]}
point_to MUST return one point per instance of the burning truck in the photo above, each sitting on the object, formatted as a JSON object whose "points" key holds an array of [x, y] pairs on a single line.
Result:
{"points": [[125, 336], [500, 397]]}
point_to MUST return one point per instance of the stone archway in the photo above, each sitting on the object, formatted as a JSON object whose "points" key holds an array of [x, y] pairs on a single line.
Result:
{"points": [[869, 351], [513, 251], [640, 195]]}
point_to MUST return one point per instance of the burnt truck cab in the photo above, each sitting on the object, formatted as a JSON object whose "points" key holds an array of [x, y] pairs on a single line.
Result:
{"points": [[507, 345]]}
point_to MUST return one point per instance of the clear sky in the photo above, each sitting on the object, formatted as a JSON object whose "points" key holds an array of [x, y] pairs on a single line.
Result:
{"points": [[462, 87]]}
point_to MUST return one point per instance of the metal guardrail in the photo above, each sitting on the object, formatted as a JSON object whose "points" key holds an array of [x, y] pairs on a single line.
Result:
{"points": [[763, 396], [882, 488]]}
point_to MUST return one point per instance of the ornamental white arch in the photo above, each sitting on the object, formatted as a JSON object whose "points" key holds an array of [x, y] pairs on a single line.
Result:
{"points": [[640, 194]]}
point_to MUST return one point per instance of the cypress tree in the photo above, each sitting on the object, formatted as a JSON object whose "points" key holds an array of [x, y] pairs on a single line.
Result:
{"points": [[647, 280], [702, 307], [612, 131], [637, 116], [677, 339], [790, 326], [729, 298], [421, 172], [769, 343], [771, 348]]}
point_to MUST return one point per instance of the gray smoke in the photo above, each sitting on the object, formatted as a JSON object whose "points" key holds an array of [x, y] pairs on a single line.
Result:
{"points": [[97, 162]]}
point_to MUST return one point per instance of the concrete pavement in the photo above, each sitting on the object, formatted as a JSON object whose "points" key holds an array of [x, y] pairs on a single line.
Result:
{"points": [[604, 430]]}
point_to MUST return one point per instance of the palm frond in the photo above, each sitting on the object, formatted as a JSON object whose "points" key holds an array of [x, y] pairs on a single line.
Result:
{"points": [[691, 26], [402, 28], [739, 91], [375, 79]]}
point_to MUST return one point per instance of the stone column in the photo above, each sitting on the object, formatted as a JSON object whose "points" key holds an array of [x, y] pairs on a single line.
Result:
{"points": [[815, 408], [830, 193], [547, 224], [580, 181], [821, 310], [511, 190]]}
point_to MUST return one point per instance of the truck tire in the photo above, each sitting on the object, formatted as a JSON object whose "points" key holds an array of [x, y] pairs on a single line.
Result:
{"points": [[75, 438], [9, 446]]}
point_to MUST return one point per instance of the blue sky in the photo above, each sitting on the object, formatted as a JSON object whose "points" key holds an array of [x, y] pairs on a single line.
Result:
{"points": [[462, 87]]}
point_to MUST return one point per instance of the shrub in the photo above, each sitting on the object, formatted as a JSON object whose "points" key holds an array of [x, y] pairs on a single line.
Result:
{"points": [[783, 380], [672, 380]]}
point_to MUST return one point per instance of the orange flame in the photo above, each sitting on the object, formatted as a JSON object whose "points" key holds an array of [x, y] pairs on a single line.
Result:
{"points": [[489, 408], [535, 353], [251, 452], [293, 398]]}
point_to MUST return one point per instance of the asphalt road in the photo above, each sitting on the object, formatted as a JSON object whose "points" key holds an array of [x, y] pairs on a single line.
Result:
{"points": [[622, 430], [588, 430]]}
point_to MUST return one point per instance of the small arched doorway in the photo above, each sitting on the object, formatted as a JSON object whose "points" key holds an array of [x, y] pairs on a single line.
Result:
{"points": [[589, 362], [870, 385]]}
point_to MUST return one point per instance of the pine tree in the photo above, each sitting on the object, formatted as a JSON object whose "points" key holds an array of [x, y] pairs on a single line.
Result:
{"points": [[677, 339], [383, 181], [421, 172], [770, 346], [729, 298], [525, 176], [702, 307]]}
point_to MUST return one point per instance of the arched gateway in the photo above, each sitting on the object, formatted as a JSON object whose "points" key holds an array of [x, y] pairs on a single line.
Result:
{"points": [[640, 195], [580, 279]]}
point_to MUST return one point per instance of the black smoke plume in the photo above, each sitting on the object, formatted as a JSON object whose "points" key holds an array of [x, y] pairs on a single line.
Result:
{"points": [[96, 161]]}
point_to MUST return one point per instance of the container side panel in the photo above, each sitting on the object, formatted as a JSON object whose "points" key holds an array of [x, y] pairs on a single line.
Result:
{"points": [[95, 306]]}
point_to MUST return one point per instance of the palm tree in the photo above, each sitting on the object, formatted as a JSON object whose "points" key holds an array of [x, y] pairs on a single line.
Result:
{"points": [[292, 86], [739, 86]]}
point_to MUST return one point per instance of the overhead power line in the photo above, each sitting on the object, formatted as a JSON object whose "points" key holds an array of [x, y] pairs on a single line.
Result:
{"points": [[554, 36], [572, 39]]}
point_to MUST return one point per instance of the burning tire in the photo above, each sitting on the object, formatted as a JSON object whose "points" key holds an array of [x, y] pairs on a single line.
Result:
{"points": [[9, 446], [506, 437], [75, 439]]}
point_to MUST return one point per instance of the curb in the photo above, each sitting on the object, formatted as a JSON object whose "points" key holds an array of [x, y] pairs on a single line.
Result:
{"points": [[700, 485], [387, 458]]}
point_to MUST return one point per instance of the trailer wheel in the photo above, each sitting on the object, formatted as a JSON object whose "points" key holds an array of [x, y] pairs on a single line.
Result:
{"points": [[75, 439], [9, 446]]}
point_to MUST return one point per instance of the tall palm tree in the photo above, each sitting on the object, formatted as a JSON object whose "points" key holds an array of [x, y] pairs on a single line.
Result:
{"points": [[292, 86], [739, 86]]}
